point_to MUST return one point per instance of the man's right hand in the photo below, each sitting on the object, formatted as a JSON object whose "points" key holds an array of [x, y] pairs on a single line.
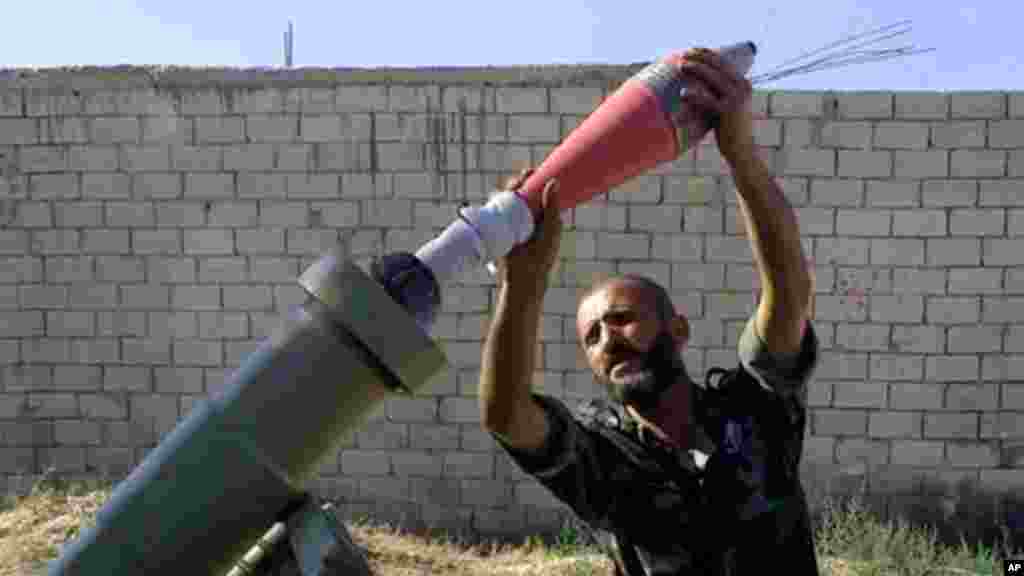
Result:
{"points": [[529, 264]]}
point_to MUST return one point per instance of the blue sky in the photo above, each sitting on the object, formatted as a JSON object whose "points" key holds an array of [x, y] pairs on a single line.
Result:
{"points": [[977, 48]]}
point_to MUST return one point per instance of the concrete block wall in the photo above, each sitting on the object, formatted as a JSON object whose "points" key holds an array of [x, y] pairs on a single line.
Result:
{"points": [[153, 224]]}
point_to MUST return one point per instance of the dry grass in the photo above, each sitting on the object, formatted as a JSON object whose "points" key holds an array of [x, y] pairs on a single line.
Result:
{"points": [[851, 542]]}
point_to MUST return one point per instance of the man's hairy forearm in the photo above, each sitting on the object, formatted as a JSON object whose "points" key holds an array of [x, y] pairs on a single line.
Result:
{"points": [[774, 235], [507, 366]]}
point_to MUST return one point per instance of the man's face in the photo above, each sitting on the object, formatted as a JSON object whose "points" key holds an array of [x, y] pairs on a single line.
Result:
{"points": [[628, 347]]}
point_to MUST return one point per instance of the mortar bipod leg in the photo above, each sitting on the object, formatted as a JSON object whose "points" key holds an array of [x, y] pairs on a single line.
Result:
{"points": [[312, 541]]}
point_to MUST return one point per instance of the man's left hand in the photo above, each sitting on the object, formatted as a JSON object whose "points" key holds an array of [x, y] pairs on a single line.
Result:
{"points": [[725, 94]]}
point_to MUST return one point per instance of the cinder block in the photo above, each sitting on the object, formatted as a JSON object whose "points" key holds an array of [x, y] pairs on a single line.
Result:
{"points": [[952, 368], [417, 465], [953, 310], [62, 459], [106, 242], [976, 222], [901, 135], [171, 325], [1002, 309], [977, 163], [973, 339], [78, 214], [223, 325], [893, 193], [796, 104], [34, 215], [921, 106], [973, 397], [115, 130], [859, 394], [862, 450], [146, 351], [919, 222], [895, 424], [198, 353], [130, 215], [145, 297], [365, 462], [623, 246], [896, 368], [117, 323], [18, 131], [145, 159], [836, 192], [248, 298], [203, 185], [171, 270], [945, 193], [971, 455], [920, 163], [196, 159], [209, 242], [180, 215], [233, 215], [92, 158], [954, 252], [35, 159], [168, 130], [978, 105], [48, 242], [106, 186], [897, 308], [851, 222], [513, 100], [916, 453], [249, 157], [196, 298], [158, 411], [77, 433], [840, 422], [468, 465], [155, 186], [915, 396], [941, 426], [220, 130], [533, 129], [261, 185], [103, 406], [841, 251], [806, 162], [271, 128], [357, 98], [1000, 193], [335, 128], [663, 219], [21, 269], [353, 156], [576, 99], [958, 134], [294, 157], [864, 105], [834, 135], [63, 324], [975, 281], [411, 98]]}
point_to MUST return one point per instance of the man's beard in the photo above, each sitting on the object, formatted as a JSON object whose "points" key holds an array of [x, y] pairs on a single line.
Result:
{"points": [[647, 376]]}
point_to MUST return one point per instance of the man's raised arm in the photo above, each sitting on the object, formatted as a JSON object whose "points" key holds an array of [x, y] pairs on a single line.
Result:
{"points": [[769, 219]]}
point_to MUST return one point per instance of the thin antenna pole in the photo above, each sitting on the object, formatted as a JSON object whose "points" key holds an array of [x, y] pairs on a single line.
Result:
{"points": [[289, 43]]}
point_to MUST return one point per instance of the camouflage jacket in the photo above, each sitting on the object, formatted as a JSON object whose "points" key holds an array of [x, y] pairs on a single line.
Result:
{"points": [[733, 505]]}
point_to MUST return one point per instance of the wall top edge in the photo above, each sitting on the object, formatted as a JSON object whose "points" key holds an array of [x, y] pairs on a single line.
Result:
{"points": [[169, 77]]}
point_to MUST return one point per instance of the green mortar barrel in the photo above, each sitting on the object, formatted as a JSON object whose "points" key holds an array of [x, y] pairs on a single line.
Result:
{"points": [[240, 462]]}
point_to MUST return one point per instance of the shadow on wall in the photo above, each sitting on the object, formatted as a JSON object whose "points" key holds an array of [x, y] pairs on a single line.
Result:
{"points": [[958, 511]]}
